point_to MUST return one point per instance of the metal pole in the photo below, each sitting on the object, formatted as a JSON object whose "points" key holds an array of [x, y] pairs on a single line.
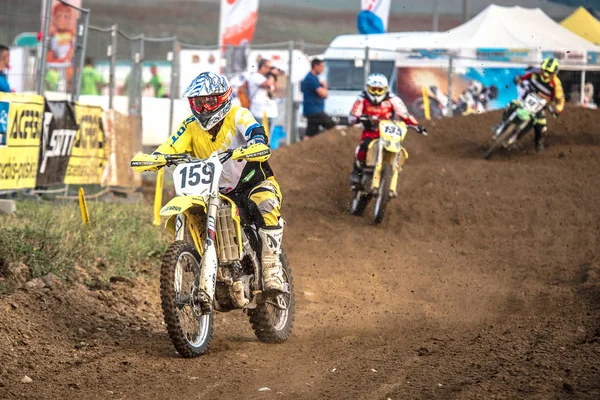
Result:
{"points": [[174, 74], [290, 116], [135, 78], [450, 70], [42, 60], [436, 15], [367, 64], [582, 92], [229, 61], [77, 72], [113, 66], [465, 16]]}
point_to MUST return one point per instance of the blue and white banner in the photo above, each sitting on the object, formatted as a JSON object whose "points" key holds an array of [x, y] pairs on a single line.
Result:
{"points": [[374, 16], [501, 54]]}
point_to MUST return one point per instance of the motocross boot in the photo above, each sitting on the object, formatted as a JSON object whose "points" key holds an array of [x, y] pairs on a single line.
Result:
{"points": [[272, 270], [539, 146], [356, 175], [539, 138]]}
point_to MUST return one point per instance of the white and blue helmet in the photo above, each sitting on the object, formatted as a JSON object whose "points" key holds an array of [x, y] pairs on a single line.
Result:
{"points": [[210, 98], [376, 88]]}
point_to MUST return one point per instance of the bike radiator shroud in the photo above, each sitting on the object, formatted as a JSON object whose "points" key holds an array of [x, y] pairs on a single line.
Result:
{"points": [[227, 235]]}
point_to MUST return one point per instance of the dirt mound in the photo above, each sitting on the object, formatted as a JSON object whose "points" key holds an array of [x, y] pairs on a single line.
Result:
{"points": [[483, 281]]}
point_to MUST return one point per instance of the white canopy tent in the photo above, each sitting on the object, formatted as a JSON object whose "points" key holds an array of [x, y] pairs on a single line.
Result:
{"points": [[503, 28], [510, 29]]}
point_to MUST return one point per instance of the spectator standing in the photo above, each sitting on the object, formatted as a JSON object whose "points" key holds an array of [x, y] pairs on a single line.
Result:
{"points": [[260, 84], [156, 83], [271, 109], [314, 93], [91, 80], [4, 61], [239, 86], [52, 80]]}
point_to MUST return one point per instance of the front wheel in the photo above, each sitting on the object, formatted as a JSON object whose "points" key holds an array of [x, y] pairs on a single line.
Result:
{"points": [[384, 193], [189, 329], [500, 140], [273, 320], [358, 203]]}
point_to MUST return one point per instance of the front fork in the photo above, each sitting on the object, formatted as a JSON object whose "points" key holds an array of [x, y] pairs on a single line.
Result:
{"points": [[396, 160], [210, 260]]}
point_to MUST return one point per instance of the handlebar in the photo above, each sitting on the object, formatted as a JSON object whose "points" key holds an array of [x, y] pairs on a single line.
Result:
{"points": [[418, 128], [176, 159]]}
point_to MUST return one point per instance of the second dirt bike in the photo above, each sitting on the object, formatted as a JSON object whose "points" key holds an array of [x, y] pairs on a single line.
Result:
{"points": [[385, 158], [214, 262], [521, 118]]}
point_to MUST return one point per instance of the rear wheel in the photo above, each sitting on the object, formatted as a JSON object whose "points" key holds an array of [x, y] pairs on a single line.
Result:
{"points": [[273, 320], [384, 193], [189, 329]]}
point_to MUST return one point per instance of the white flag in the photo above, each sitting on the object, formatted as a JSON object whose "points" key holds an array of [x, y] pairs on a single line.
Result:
{"points": [[381, 8], [237, 22]]}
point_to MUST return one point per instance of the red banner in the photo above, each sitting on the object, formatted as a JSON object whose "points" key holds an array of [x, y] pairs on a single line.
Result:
{"points": [[237, 23]]}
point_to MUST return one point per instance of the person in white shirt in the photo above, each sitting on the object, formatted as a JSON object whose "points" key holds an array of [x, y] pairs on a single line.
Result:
{"points": [[260, 84]]}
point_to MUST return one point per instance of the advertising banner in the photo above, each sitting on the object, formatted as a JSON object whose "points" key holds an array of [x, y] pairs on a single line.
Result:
{"points": [[88, 156], [60, 129], [63, 34], [496, 85], [507, 55], [577, 57], [593, 58], [21, 118]]}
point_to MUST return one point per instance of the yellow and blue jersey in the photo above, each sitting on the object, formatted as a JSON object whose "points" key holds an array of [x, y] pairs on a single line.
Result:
{"points": [[235, 132]]}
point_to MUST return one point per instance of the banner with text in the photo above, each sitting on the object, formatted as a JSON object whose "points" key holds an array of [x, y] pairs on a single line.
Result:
{"points": [[88, 153], [21, 118], [60, 129]]}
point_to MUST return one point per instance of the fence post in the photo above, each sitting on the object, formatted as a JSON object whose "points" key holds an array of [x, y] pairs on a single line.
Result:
{"points": [[367, 64], [113, 66], [436, 15], [78, 61], [582, 91], [174, 75], [450, 69], [229, 61], [42, 57], [290, 116], [135, 78]]}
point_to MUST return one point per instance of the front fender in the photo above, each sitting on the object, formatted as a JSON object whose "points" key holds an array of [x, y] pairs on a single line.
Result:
{"points": [[179, 205]]}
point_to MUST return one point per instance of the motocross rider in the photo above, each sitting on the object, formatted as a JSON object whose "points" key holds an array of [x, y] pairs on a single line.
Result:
{"points": [[477, 96], [217, 125], [378, 103], [545, 83]]}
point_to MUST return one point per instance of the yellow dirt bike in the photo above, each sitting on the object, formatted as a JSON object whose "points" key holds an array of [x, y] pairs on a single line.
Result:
{"points": [[385, 158], [214, 262]]}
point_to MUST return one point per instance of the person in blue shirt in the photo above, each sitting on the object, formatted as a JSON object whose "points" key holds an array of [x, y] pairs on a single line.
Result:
{"points": [[313, 104], [4, 61]]}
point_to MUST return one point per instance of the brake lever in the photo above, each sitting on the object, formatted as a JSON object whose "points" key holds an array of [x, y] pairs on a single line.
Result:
{"points": [[226, 155]]}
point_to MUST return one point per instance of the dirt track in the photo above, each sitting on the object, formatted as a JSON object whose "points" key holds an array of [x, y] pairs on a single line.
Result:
{"points": [[483, 282]]}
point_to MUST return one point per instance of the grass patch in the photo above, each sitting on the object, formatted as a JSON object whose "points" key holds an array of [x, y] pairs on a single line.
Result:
{"points": [[49, 237]]}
